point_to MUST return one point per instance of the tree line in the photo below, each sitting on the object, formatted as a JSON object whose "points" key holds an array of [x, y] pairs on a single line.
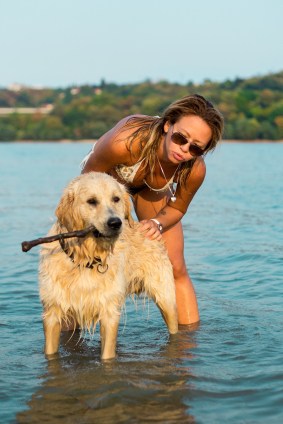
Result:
{"points": [[252, 108]]}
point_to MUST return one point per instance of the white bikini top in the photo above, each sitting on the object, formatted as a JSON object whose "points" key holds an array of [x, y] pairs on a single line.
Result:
{"points": [[125, 172], [128, 173]]}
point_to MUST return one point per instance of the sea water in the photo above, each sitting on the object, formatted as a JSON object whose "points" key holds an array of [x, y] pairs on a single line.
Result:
{"points": [[229, 369]]}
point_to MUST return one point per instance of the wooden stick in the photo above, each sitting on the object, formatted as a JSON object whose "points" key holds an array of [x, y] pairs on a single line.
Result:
{"points": [[27, 245]]}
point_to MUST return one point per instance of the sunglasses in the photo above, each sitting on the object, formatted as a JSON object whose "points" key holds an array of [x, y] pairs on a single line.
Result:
{"points": [[181, 140]]}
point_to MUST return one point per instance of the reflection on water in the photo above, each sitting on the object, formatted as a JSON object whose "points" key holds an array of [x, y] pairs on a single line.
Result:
{"points": [[228, 370], [79, 388]]}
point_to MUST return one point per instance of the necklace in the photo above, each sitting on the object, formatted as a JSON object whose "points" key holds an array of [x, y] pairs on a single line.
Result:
{"points": [[173, 197]]}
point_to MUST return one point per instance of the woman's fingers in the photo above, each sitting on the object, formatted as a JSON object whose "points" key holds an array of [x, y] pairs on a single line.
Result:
{"points": [[150, 229]]}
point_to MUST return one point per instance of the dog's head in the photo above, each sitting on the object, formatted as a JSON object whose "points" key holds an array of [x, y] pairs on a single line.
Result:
{"points": [[95, 199]]}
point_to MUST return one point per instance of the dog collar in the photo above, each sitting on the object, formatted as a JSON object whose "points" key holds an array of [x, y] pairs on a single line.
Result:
{"points": [[96, 260]]}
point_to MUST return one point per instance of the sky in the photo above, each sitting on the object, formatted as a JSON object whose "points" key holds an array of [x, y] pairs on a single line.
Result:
{"points": [[60, 43]]}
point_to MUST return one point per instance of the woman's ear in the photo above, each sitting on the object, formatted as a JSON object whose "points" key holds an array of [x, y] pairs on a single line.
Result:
{"points": [[166, 127]]}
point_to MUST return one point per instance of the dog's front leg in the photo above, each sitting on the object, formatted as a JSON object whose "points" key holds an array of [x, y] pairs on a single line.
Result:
{"points": [[52, 330], [108, 335]]}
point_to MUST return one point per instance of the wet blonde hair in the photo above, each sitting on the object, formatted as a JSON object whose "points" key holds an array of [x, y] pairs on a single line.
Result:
{"points": [[150, 130]]}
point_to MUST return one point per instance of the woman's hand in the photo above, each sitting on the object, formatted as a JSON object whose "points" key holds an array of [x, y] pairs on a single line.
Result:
{"points": [[150, 229]]}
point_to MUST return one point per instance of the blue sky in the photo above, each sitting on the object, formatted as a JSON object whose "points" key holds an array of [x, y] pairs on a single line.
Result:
{"points": [[67, 42]]}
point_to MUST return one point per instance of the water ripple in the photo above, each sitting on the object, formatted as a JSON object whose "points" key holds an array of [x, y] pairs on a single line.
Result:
{"points": [[227, 370]]}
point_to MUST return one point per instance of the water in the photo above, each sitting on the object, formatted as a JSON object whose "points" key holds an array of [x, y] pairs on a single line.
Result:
{"points": [[227, 370]]}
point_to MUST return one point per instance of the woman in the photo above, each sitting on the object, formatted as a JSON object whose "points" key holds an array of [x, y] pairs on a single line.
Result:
{"points": [[160, 160]]}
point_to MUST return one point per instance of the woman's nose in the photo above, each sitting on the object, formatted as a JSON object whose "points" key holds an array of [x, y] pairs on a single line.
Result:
{"points": [[186, 147]]}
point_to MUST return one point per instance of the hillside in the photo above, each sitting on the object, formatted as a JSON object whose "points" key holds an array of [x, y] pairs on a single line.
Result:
{"points": [[252, 108]]}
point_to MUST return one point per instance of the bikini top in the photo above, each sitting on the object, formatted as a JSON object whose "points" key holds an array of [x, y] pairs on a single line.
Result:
{"points": [[128, 173]]}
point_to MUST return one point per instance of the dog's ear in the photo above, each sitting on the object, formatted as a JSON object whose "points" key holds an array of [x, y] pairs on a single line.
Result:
{"points": [[66, 211], [128, 207], [65, 206]]}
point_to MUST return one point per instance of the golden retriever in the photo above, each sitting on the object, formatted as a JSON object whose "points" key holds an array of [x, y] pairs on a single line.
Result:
{"points": [[85, 281]]}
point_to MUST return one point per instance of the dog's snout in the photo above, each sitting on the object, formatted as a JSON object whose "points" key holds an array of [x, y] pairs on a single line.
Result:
{"points": [[114, 223]]}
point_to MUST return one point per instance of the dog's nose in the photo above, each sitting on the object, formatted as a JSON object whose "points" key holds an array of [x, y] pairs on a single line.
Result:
{"points": [[114, 223]]}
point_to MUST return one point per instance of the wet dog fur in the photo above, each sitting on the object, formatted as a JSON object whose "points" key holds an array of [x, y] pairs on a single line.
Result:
{"points": [[87, 281]]}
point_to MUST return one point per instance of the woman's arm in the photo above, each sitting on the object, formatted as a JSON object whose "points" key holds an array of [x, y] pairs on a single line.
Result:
{"points": [[173, 212]]}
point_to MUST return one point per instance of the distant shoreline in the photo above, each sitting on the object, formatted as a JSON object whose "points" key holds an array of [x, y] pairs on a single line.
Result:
{"points": [[90, 141], [252, 141]]}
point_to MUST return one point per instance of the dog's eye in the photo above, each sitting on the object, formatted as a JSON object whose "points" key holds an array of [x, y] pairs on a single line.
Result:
{"points": [[116, 199], [92, 201]]}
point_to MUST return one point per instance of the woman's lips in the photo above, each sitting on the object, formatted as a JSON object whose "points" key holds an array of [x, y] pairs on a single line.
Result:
{"points": [[178, 157]]}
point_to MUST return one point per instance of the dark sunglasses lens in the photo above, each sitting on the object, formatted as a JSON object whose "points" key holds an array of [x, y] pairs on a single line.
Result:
{"points": [[179, 139], [195, 150]]}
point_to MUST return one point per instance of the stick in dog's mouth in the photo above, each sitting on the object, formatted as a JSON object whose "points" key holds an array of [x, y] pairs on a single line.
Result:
{"points": [[27, 245]]}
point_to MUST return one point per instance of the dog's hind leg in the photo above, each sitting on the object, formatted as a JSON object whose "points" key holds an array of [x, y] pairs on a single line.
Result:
{"points": [[169, 314], [108, 335], [159, 285], [52, 330]]}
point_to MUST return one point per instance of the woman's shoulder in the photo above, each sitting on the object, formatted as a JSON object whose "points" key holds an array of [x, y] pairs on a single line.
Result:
{"points": [[130, 118], [185, 192], [115, 141], [198, 172], [199, 166], [122, 128]]}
